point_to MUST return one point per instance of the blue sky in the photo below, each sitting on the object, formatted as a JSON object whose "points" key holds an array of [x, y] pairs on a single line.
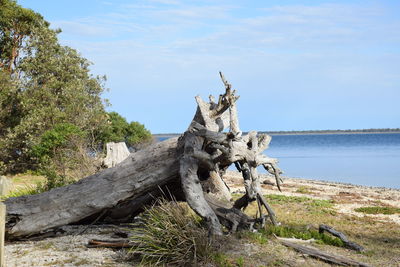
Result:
{"points": [[297, 65]]}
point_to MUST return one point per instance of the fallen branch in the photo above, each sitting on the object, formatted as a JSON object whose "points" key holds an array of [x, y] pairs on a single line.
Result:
{"points": [[341, 236], [327, 257]]}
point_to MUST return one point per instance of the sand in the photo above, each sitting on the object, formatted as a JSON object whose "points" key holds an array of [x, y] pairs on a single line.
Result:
{"points": [[72, 251]]}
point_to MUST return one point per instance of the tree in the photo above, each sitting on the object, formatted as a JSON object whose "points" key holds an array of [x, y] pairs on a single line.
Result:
{"points": [[43, 84], [16, 26], [119, 130]]}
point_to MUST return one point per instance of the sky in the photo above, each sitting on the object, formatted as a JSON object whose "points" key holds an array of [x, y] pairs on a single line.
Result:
{"points": [[297, 65]]}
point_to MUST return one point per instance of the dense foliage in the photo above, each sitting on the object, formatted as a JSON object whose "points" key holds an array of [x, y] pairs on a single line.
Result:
{"points": [[119, 130], [51, 110]]}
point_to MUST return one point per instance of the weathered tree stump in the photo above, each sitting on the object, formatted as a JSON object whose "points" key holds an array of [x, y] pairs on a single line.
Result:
{"points": [[116, 153], [189, 168]]}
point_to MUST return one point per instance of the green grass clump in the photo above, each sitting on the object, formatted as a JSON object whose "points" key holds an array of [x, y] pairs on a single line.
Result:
{"points": [[303, 190], [170, 233], [312, 205], [279, 199], [223, 260], [305, 234], [258, 237], [22, 191], [378, 210]]}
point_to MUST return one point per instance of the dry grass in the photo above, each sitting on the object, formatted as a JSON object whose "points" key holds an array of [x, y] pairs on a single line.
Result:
{"points": [[381, 239]]}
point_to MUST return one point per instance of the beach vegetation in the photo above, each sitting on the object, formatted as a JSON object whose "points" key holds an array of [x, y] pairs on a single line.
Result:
{"points": [[53, 118], [171, 233], [378, 210], [303, 190]]}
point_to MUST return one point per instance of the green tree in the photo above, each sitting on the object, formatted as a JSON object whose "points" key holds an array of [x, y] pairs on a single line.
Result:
{"points": [[16, 24], [43, 84], [46, 87], [119, 130]]}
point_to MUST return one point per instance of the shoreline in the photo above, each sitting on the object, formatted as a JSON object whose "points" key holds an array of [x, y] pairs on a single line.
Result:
{"points": [[316, 181], [170, 135], [339, 183], [345, 197]]}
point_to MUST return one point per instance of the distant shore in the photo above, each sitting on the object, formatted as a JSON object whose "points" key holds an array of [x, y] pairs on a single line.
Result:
{"points": [[308, 132]]}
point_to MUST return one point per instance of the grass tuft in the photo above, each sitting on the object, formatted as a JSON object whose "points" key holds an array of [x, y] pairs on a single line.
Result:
{"points": [[170, 233], [22, 191], [378, 210], [303, 190]]}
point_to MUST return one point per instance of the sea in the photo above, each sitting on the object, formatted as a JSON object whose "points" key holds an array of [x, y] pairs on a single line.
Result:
{"points": [[370, 159]]}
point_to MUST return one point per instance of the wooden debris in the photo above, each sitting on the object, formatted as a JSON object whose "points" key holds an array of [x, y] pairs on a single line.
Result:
{"points": [[341, 236], [116, 153], [327, 257]]}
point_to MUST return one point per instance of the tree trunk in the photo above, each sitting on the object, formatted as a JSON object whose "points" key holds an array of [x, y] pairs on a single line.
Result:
{"points": [[116, 153], [140, 173]]}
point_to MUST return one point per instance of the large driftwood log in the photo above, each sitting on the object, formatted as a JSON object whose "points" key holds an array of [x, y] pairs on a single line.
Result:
{"points": [[140, 173], [197, 160]]}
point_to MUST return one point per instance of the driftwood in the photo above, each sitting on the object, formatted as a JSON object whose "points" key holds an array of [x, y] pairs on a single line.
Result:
{"points": [[328, 257], [116, 153], [133, 178], [189, 168], [349, 244]]}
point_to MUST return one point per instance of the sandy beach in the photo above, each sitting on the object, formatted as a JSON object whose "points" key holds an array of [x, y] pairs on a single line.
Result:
{"points": [[72, 251]]}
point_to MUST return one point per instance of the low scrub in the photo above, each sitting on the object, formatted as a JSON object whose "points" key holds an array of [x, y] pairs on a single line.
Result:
{"points": [[170, 233]]}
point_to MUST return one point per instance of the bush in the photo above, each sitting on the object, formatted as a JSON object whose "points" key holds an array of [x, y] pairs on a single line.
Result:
{"points": [[170, 233], [54, 141], [119, 130]]}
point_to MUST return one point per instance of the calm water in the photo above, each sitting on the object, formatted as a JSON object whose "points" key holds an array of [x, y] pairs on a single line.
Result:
{"points": [[365, 159]]}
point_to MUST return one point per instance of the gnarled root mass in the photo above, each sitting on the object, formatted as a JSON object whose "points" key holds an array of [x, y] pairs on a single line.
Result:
{"points": [[198, 160], [208, 152]]}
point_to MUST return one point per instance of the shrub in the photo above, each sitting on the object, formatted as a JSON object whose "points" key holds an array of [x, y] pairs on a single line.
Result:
{"points": [[170, 233]]}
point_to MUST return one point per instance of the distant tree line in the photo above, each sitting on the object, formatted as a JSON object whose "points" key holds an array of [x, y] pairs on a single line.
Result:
{"points": [[372, 130], [51, 110]]}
